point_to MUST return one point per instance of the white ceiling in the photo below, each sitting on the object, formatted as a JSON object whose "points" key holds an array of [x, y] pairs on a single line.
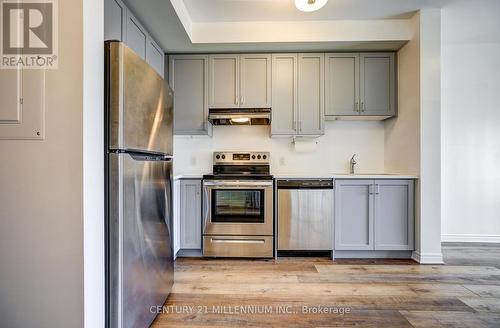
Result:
{"points": [[284, 10], [161, 19]]}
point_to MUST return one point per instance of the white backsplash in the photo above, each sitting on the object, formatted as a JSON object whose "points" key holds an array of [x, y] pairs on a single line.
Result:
{"points": [[193, 154]]}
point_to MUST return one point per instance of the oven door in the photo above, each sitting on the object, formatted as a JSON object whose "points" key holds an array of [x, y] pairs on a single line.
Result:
{"points": [[238, 208]]}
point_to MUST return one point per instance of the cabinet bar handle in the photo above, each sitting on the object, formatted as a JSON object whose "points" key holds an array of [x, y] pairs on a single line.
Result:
{"points": [[356, 107], [363, 108]]}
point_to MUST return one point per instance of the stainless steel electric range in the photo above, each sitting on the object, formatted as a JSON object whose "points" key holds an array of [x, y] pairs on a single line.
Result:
{"points": [[238, 206]]}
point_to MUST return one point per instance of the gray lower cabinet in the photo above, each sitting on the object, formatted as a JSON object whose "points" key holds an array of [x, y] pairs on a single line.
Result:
{"points": [[374, 215], [353, 215], [190, 214], [188, 77], [394, 214]]}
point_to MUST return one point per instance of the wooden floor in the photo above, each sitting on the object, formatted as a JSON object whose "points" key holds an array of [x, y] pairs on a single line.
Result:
{"points": [[349, 293]]}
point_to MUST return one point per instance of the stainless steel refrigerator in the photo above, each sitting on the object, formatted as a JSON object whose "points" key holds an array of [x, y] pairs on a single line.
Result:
{"points": [[139, 254]]}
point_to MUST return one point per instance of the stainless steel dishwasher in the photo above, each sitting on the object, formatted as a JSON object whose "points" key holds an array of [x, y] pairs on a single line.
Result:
{"points": [[305, 215]]}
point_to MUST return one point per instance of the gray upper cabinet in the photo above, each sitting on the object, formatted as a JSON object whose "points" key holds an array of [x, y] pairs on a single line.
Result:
{"points": [[310, 94], [342, 84], [190, 214], [353, 215], [360, 85], [115, 13], [188, 77], [374, 215], [255, 81], [377, 84], [224, 81], [394, 215], [120, 24], [284, 94], [136, 35], [155, 56], [240, 81], [297, 94]]}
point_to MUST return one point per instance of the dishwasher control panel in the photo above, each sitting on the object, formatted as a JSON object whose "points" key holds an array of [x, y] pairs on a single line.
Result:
{"points": [[305, 184]]}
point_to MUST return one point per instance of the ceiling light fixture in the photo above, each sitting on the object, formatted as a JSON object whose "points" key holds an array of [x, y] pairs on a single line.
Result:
{"points": [[309, 5]]}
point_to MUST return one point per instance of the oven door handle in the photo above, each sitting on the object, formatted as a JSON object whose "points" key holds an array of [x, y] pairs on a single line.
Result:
{"points": [[222, 184], [206, 211], [237, 241]]}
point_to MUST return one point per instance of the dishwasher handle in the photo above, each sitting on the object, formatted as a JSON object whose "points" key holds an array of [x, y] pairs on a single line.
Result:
{"points": [[305, 184]]}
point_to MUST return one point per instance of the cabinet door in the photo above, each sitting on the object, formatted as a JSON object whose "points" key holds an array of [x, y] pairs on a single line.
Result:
{"points": [[115, 14], [155, 56], [394, 215], [353, 215], [342, 84], [284, 94], [190, 210], [311, 111], [377, 84], [255, 81], [189, 80], [136, 35], [224, 81]]}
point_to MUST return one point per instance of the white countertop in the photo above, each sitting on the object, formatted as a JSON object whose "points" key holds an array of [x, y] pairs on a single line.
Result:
{"points": [[316, 176], [188, 176], [344, 176]]}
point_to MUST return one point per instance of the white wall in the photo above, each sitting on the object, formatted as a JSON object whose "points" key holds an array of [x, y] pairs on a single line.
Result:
{"points": [[332, 155], [471, 120], [41, 200], [93, 162], [429, 246], [402, 134]]}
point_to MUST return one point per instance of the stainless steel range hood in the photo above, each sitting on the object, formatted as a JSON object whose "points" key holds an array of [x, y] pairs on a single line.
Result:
{"points": [[240, 116]]}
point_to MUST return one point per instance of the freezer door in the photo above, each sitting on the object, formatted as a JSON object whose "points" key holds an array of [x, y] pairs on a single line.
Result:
{"points": [[139, 238], [139, 103]]}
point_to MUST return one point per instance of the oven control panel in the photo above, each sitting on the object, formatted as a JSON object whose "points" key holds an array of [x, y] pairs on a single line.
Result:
{"points": [[241, 157]]}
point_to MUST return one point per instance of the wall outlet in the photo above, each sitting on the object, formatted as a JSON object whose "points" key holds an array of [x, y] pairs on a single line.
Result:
{"points": [[193, 161], [282, 161]]}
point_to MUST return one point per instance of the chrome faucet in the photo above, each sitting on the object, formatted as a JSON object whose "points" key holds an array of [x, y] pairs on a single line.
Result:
{"points": [[352, 163]]}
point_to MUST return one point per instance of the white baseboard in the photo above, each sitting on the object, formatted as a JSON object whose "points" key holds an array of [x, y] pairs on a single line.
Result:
{"points": [[470, 238], [427, 258]]}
